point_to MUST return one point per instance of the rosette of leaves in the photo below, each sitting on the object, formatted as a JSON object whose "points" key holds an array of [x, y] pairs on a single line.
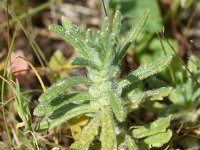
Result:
{"points": [[108, 99]]}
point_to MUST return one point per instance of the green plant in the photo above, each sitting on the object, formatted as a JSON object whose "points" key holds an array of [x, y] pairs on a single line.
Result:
{"points": [[185, 96], [108, 99], [22, 125], [148, 46], [184, 107], [24, 134]]}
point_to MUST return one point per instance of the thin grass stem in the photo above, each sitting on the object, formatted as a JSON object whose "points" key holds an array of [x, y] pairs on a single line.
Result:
{"points": [[10, 46], [191, 74], [29, 13], [169, 67]]}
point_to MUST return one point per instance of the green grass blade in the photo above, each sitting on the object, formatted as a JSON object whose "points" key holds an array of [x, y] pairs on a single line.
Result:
{"points": [[22, 106], [5, 74], [25, 140], [29, 13], [33, 44]]}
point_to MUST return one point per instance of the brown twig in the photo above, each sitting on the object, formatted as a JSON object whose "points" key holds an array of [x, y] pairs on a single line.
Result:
{"points": [[191, 74], [104, 7]]}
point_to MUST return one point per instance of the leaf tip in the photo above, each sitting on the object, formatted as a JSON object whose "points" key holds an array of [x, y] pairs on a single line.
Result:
{"points": [[66, 22]]}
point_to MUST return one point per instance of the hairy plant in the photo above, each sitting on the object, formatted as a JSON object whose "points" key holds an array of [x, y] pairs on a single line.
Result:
{"points": [[108, 99]]}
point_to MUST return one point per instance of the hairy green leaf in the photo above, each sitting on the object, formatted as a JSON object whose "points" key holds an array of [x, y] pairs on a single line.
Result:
{"points": [[146, 71], [160, 125], [132, 35], [153, 68], [104, 37], [158, 94], [48, 107], [107, 136], [132, 90], [84, 62], [99, 46], [68, 35], [117, 106], [158, 140], [61, 86], [89, 38], [79, 146], [66, 23], [63, 114], [130, 143], [116, 26], [78, 32], [90, 130], [135, 101], [105, 29]]}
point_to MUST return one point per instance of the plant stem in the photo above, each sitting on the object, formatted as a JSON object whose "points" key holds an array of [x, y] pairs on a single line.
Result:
{"points": [[169, 67]]}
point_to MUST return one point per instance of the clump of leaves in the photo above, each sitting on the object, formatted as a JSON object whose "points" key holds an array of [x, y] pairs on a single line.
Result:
{"points": [[108, 99], [184, 106], [185, 96]]}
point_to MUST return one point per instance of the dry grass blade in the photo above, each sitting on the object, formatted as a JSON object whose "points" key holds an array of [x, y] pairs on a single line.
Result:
{"points": [[35, 71]]}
